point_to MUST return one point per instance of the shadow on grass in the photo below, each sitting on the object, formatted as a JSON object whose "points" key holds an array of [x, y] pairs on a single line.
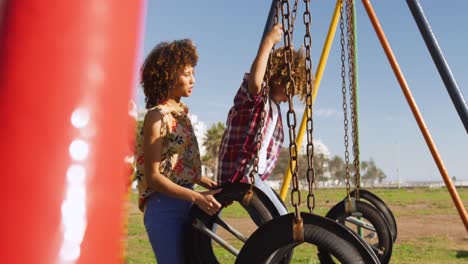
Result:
{"points": [[462, 254]]}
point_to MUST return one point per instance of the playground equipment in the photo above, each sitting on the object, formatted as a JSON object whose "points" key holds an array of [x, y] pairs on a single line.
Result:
{"points": [[448, 79], [289, 231], [370, 223]]}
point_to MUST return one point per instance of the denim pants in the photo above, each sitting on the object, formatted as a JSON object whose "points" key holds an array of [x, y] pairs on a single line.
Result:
{"points": [[166, 221]]}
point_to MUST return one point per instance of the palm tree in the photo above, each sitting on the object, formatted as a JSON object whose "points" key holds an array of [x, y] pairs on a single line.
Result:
{"points": [[212, 141]]}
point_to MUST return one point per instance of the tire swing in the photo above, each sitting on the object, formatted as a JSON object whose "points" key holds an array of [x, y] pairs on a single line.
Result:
{"points": [[199, 242], [199, 247], [378, 203], [291, 230], [352, 210]]}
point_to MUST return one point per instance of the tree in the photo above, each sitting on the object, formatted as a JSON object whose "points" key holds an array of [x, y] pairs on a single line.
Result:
{"points": [[319, 168], [283, 164], [338, 169], [371, 173], [212, 141]]}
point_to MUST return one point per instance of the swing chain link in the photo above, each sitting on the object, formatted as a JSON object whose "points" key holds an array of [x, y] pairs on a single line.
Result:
{"points": [[353, 95], [291, 115], [265, 98], [293, 17], [343, 90], [310, 125]]}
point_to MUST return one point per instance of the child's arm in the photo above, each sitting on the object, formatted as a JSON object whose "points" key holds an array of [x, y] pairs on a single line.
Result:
{"points": [[257, 71]]}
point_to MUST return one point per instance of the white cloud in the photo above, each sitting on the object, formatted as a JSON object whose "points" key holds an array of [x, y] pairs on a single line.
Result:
{"points": [[318, 112], [327, 113], [319, 147]]}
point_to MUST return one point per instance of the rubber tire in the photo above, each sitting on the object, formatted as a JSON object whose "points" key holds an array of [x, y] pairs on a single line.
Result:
{"points": [[373, 216], [382, 207], [199, 246], [322, 232]]}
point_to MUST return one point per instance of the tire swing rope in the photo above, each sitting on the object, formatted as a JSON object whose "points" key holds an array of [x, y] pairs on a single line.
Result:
{"points": [[288, 231]]}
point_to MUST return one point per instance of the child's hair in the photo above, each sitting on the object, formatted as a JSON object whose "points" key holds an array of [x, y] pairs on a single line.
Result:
{"points": [[162, 67], [279, 71]]}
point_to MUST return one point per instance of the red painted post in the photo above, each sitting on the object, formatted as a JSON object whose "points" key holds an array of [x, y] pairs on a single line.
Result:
{"points": [[66, 73]]}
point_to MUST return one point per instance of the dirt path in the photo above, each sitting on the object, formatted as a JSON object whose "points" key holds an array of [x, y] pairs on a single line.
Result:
{"points": [[449, 226]]}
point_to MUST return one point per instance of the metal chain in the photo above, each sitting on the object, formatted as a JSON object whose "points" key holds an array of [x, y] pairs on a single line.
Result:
{"points": [[352, 95], [343, 90], [265, 92], [291, 115], [293, 17], [310, 125]]}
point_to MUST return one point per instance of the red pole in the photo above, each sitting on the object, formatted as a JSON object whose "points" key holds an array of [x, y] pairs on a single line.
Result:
{"points": [[417, 115], [66, 73]]}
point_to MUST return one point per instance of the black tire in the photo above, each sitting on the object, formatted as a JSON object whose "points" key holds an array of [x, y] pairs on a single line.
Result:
{"points": [[322, 232], [382, 207], [270, 206], [374, 217], [199, 246]]}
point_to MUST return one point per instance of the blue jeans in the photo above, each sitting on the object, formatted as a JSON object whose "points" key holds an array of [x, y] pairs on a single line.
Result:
{"points": [[166, 221], [266, 189]]}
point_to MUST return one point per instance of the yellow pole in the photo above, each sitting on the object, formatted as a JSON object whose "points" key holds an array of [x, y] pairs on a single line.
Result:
{"points": [[318, 78]]}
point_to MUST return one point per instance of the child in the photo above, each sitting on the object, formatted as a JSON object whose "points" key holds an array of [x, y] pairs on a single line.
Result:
{"points": [[238, 146]]}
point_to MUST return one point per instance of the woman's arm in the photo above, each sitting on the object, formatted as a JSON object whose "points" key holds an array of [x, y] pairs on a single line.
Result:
{"points": [[258, 68], [152, 148]]}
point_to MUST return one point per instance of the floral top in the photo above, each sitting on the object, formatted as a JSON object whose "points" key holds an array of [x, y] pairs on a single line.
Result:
{"points": [[180, 160]]}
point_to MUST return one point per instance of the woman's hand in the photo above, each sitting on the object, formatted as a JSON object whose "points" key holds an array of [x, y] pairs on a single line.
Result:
{"points": [[207, 202], [207, 183]]}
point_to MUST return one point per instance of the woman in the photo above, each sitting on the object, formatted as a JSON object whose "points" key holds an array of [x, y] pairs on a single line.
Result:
{"points": [[168, 162]]}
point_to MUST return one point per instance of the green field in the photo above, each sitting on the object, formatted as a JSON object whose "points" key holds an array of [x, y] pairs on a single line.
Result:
{"points": [[429, 228]]}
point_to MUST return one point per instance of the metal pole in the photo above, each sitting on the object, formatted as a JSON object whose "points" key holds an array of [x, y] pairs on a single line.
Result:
{"points": [[270, 19], [439, 60], [417, 115], [205, 230], [62, 71], [230, 229]]}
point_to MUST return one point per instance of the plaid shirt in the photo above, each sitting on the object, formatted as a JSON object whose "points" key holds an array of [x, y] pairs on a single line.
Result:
{"points": [[238, 148]]}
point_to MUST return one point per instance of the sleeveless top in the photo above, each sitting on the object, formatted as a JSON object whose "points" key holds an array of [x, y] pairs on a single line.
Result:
{"points": [[180, 158]]}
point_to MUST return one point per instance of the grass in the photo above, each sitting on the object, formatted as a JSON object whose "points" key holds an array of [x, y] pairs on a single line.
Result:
{"points": [[428, 248]]}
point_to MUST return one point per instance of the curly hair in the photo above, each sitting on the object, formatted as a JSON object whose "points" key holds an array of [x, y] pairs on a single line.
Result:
{"points": [[279, 72], [162, 67]]}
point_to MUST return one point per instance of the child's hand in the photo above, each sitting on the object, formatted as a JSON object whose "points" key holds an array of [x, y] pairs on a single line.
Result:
{"points": [[276, 34]]}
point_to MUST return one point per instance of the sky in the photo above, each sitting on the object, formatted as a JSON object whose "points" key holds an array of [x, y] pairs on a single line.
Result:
{"points": [[227, 35]]}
